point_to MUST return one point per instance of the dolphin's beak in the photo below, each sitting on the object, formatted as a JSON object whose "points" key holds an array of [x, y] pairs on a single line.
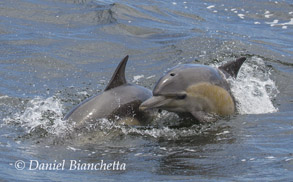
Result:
{"points": [[154, 102]]}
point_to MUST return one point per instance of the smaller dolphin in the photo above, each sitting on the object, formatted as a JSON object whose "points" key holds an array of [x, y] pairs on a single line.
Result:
{"points": [[196, 89], [119, 100]]}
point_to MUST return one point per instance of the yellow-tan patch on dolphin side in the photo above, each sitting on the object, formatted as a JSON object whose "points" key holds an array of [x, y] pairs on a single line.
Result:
{"points": [[218, 98]]}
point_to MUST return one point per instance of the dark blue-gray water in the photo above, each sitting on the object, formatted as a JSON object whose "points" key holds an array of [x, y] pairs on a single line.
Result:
{"points": [[56, 53]]}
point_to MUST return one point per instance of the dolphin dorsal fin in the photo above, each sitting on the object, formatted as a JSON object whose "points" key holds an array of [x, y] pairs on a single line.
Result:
{"points": [[232, 68], [118, 77]]}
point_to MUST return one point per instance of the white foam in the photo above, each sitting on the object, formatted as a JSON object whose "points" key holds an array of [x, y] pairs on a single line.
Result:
{"points": [[137, 77], [72, 148], [254, 89], [152, 76], [190, 150], [138, 154], [155, 132], [3, 97], [268, 14], [41, 113], [241, 16], [276, 23], [163, 148], [107, 126], [223, 133], [284, 27], [270, 157], [273, 23], [211, 6]]}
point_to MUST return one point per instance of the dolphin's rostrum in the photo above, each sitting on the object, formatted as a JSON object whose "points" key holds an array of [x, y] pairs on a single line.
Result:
{"points": [[120, 100]]}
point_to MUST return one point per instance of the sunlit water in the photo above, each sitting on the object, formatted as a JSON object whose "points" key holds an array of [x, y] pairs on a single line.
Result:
{"points": [[54, 54]]}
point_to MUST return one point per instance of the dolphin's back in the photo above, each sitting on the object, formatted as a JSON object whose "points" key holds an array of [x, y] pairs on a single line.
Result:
{"points": [[186, 75], [201, 73], [121, 101]]}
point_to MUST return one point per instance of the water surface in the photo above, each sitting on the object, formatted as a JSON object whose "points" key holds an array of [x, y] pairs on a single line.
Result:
{"points": [[54, 54]]}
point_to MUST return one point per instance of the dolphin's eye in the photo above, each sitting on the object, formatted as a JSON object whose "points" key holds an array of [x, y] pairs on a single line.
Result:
{"points": [[172, 74], [181, 97]]}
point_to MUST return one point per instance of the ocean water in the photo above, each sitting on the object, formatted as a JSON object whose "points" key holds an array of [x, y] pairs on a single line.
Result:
{"points": [[56, 53]]}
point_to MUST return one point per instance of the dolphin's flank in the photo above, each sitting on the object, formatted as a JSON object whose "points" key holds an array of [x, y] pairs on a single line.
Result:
{"points": [[119, 101]]}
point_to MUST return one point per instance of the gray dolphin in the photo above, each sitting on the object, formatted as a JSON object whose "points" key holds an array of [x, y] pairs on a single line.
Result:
{"points": [[196, 89], [120, 100]]}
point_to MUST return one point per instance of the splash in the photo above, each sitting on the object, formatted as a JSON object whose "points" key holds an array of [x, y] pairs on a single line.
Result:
{"points": [[43, 114], [253, 88], [108, 128], [168, 133]]}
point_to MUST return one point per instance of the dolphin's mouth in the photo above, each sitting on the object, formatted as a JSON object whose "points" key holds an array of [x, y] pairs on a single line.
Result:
{"points": [[154, 102], [161, 101]]}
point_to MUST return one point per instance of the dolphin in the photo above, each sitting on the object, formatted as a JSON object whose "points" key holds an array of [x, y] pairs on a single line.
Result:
{"points": [[196, 90], [119, 101]]}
